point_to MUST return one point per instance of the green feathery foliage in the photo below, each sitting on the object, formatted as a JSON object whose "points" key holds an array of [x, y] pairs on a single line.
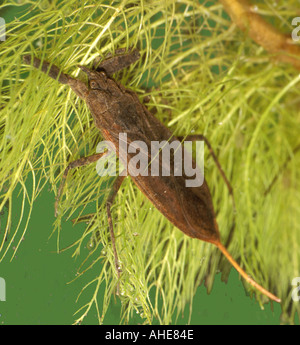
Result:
{"points": [[202, 75]]}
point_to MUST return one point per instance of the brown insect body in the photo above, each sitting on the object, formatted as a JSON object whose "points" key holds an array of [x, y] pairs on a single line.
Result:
{"points": [[116, 110]]}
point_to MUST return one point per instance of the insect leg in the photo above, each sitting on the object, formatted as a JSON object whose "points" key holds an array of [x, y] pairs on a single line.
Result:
{"points": [[116, 186], [201, 137], [115, 63], [54, 72], [284, 165], [109, 202], [75, 164]]}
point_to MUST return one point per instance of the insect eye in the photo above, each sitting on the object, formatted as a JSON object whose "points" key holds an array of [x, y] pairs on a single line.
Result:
{"points": [[93, 84]]}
